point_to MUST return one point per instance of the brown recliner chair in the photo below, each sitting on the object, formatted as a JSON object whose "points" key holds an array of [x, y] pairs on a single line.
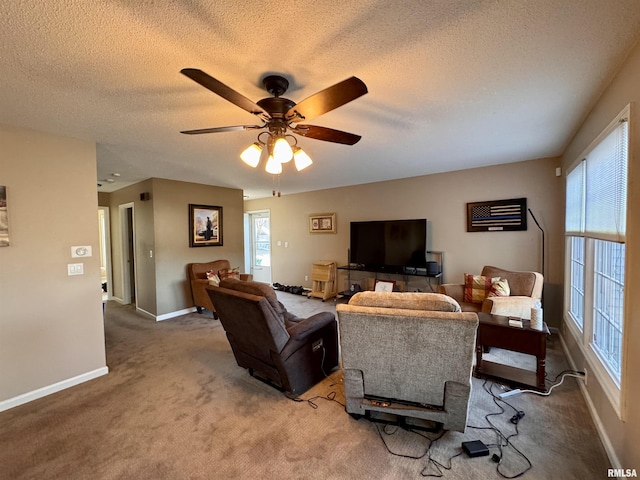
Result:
{"points": [[288, 352], [199, 282]]}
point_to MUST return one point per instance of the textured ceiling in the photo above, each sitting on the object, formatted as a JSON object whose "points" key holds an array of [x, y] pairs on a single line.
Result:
{"points": [[452, 84]]}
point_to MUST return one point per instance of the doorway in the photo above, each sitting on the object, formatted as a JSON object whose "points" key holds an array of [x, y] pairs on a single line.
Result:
{"points": [[259, 242], [105, 252], [127, 223]]}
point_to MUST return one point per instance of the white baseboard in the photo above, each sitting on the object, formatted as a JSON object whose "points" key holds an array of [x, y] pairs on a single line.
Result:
{"points": [[48, 390], [164, 316], [167, 316], [604, 438], [142, 310]]}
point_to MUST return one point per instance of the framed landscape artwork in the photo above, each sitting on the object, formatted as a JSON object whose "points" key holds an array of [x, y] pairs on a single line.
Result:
{"points": [[322, 223], [205, 226], [4, 218]]}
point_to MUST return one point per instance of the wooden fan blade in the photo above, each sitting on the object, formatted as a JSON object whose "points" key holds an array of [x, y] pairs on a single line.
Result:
{"points": [[326, 134], [326, 100], [219, 88], [235, 128]]}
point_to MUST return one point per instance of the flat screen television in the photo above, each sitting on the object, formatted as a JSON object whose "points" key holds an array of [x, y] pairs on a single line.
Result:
{"points": [[389, 245]]}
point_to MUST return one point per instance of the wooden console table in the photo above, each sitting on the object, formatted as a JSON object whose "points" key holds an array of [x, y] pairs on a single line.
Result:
{"points": [[495, 331]]}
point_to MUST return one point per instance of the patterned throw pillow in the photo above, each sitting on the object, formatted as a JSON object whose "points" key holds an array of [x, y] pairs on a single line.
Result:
{"points": [[499, 289], [229, 273], [213, 279], [476, 287]]}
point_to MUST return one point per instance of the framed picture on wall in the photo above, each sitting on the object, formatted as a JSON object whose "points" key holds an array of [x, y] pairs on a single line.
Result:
{"points": [[205, 226], [497, 215], [322, 223]]}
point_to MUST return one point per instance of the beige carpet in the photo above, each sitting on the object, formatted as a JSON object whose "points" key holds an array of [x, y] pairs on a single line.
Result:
{"points": [[176, 406]]}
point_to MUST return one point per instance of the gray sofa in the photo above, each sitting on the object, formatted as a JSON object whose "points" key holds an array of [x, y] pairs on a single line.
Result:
{"points": [[408, 356]]}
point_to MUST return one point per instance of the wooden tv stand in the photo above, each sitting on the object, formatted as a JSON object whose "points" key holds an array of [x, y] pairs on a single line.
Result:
{"points": [[405, 273]]}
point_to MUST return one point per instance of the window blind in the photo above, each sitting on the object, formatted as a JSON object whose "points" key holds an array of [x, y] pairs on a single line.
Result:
{"points": [[597, 189], [574, 221], [606, 187]]}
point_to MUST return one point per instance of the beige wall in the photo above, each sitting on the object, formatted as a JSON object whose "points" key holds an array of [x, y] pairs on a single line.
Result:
{"points": [[171, 213], [51, 326], [623, 435], [162, 239], [442, 200], [144, 241], [104, 199]]}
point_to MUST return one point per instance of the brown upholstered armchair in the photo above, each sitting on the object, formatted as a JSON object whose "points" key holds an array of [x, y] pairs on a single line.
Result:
{"points": [[525, 287], [199, 282], [288, 352]]}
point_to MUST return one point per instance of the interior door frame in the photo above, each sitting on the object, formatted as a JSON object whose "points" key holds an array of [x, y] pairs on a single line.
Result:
{"points": [[107, 248], [124, 228]]}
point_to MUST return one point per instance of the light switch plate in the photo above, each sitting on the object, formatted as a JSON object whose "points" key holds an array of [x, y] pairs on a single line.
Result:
{"points": [[75, 269], [81, 251]]}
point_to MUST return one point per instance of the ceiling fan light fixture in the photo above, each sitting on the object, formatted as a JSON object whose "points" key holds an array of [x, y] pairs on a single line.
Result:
{"points": [[282, 151], [279, 115], [301, 159], [251, 155], [273, 166]]}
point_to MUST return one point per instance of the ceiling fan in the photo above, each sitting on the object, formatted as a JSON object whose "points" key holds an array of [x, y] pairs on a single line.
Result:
{"points": [[281, 116]]}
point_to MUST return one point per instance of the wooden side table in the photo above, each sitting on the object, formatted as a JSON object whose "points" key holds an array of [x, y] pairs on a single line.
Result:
{"points": [[495, 331]]}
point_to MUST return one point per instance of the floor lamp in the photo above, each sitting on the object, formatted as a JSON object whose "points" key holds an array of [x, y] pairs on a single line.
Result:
{"points": [[542, 269]]}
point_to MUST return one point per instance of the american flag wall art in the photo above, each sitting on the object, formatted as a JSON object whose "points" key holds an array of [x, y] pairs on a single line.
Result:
{"points": [[497, 215]]}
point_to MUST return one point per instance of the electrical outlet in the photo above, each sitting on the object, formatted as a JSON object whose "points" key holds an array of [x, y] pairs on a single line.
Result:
{"points": [[585, 375], [306, 278]]}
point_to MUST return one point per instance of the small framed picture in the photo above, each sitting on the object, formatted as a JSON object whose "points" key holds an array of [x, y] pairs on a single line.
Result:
{"points": [[384, 285], [205, 226], [322, 223]]}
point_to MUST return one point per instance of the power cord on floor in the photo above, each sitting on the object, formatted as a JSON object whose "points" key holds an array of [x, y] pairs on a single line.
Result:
{"points": [[548, 392], [503, 440], [577, 372], [435, 468], [393, 429], [438, 466], [331, 396], [431, 463]]}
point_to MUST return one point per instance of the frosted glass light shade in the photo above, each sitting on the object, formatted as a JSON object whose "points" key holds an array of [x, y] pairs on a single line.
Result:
{"points": [[282, 150], [273, 166], [301, 159], [251, 155]]}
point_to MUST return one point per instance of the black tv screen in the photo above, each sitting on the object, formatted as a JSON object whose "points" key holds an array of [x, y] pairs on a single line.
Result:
{"points": [[389, 244]]}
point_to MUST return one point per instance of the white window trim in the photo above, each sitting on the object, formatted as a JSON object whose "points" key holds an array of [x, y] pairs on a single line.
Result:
{"points": [[596, 366]]}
